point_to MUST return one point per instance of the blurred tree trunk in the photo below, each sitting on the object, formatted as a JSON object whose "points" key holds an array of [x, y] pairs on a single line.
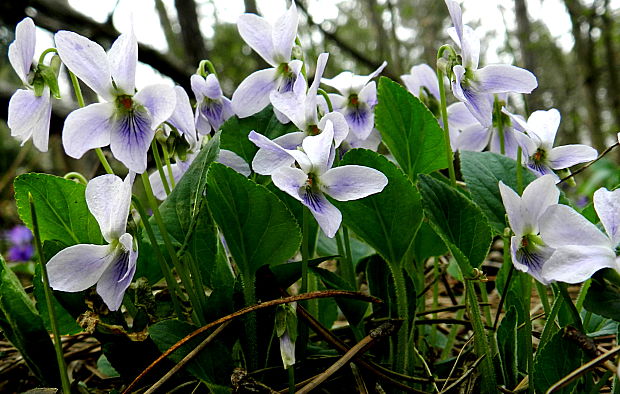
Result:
{"points": [[528, 57], [582, 25], [172, 38], [375, 13], [250, 6], [613, 86], [193, 41]]}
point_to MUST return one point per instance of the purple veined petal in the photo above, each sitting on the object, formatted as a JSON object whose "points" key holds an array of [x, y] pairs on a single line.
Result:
{"points": [[319, 149], [290, 180], [203, 127], [421, 76], [123, 58], [270, 156], [480, 105], [257, 33], [87, 60], [78, 267], [252, 95], [360, 118], [607, 205], [199, 87], [368, 94], [21, 51], [118, 275], [537, 197], [518, 121], [183, 116], [459, 116], [283, 34], [291, 141], [514, 210], [470, 48], [561, 225], [325, 213], [341, 127], [88, 128], [234, 161], [287, 350], [545, 125], [212, 87], [568, 155], [531, 259], [541, 169], [130, 139], [575, 264], [511, 144], [156, 182], [29, 116], [371, 143], [352, 182], [457, 18], [472, 138], [500, 78], [213, 113], [292, 104], [527, 144], [108, 198], [160, 100]]}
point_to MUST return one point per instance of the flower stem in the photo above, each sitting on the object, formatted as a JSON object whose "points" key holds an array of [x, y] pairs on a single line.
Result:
{"points": [[346, 264], [497, 109], [305, 250], [444, 116], [77, 176], [62, 367], [323, 93], [80, 99], [160, 168], [519, 170], [168, 165], [526, 286], [44, 53], [400, 287]]}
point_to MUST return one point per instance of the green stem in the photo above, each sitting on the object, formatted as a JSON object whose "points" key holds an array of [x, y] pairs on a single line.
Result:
{"points": [[500, 125], [160, 168], [544, 299], [80, 99], [164, 148], [400, 289], [346, 264], [571, 307], [44, 53], [550, 325], [249, 295], [582, 294], [209, 67], [77, 176], [481, 345], [519, 170], [305, 250], [291, 379], [170, 280], [526, 286], [447, 350], [323, 93], [198, 287], [444, 119], [62, 367]]}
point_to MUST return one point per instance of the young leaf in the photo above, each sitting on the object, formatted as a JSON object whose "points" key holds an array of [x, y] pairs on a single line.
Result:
{"points": [[458, 221], [409, 130], [387, 221], [482, 172], [554, 360], [61, 207]]}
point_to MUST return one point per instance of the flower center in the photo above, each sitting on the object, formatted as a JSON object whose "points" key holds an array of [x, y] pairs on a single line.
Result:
{"points": [[539, 155], [314, 130], [354, 100], [124, 102]]}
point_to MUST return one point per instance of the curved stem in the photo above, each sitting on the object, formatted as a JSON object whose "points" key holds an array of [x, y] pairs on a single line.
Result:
{"points": [[323, 93], [160, 168], [446, 128], [77, 176], [44, 53]]}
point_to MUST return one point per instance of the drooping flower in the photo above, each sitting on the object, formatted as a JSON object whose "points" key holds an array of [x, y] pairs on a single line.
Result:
{"points": [[212, 108], [274, 43], [528, 250], [538, 151], [581, 248], [20, 241], [111, 266], [472, 85], [422, 83], [126, 121], [314, 179], [29, 113]]}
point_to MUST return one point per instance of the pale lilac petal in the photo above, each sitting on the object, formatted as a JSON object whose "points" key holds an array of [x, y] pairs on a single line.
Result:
{"points": [[290, 180], [203, 127], [527, 144], [575, 264], [108, 198], [78, 267], [337, 101], [511, 144], [234, 161], [607, 205], [470, 48], [568, 155], [473, 138], [118, 275], [319, 148], [325, 213], [360, 118], [215, 113], [531, 259], [131, 138], [459, 116], [270, 156], [257, 33], [370, 76], [457, 18], [537, 197], [88, 128], [500, 78], [252, 95], [160, 100], [290, 141], [479, 104], [341, 82], [123, 58], [199, 87], [561, 225], [87, 60], [421, 76], [182, 117], [318, 74], [341, 127], [284, 33], [280, 116], [287, 349], [368, 94], [352, 182], [514, 209], [545, 124], [518, 121], [292, 103], [156, 182], [29, 116], [21, 51], [212, 87], [371, 143]]}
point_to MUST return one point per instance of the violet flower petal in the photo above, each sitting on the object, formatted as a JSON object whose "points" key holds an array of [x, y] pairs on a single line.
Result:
{"points": [[607, 205], [21, 51], [352, 182], [77, 139]]}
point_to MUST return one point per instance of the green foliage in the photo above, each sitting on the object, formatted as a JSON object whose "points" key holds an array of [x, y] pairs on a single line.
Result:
{"points": [[61, 207], [554, 360], [22, 325], [387, 221], [508, 345], [353, 310], [482, 172], [66, 323], [458, 221], [409, 130]]}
